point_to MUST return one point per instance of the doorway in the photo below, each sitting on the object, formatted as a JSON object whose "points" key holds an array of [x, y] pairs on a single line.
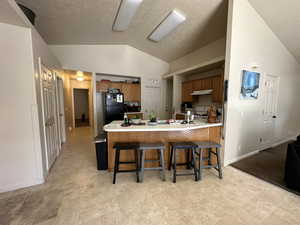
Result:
{"points": [[81, 107], [271, 86]]}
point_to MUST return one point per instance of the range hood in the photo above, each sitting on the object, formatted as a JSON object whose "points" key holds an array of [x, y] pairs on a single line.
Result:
{"points": [[202, 92]]}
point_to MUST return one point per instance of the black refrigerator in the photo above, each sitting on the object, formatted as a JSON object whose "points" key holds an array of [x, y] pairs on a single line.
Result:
{"points": [[113, 107]]}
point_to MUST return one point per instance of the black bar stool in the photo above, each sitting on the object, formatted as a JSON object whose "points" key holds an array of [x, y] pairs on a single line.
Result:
{"points": [[160, 147], [209, 146], [125, 147], [190, 149]]}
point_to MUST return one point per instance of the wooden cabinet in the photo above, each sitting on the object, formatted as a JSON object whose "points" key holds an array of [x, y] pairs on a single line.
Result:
{"points": [[102, 86], [217, 83], [138, 115], [202, 84], [187, 89], [132, 92], [116, 85], [179, 116]]}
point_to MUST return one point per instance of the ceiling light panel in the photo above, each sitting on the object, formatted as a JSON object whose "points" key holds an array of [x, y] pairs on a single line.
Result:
{"points": [[127, 10], [173, 20]]}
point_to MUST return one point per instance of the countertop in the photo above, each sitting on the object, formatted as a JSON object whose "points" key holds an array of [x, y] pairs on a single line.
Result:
{"points": [[133, 113], [115, 126]]}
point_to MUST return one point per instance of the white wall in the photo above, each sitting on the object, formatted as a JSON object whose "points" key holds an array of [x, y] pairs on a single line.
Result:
{"points": [[18, 165], [250, 41], [12, 14], [209, 52], [119, 60], [40, 50]]}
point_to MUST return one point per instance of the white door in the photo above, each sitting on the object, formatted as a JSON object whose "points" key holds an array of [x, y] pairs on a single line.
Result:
{"points": [[61, 112], [49, 114], [271, 85]]}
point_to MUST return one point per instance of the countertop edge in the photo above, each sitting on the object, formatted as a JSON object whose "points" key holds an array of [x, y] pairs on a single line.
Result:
{"points": [[162, 129]]}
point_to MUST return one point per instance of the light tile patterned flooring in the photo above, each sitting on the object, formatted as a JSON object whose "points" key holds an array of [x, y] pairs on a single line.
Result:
{"points": [[77, 194]]}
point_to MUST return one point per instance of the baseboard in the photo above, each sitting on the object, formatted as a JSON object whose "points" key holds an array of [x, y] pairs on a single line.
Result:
{"points": [[227, 163], [261, 148], [24, 184]]}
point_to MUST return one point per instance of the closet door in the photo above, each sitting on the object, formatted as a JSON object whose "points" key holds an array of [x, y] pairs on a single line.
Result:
{"points": [[48, 91]]}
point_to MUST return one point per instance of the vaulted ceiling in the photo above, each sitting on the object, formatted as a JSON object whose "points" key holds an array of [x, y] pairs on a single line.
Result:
{"points": [[283, 17], [65, 22]]}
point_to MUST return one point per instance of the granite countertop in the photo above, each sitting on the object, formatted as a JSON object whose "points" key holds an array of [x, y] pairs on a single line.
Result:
{"points": [[115, 126]]}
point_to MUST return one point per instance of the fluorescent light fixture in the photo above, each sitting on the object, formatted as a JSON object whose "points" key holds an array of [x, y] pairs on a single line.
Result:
{"points": [[125, 14], [80, 78], [174, 19]]}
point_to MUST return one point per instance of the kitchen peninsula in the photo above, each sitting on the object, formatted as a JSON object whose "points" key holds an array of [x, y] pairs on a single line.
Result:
{"points": [[166, 133]]}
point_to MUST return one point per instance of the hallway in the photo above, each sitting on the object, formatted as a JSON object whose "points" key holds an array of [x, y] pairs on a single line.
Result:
{"points": [[77, 194]]}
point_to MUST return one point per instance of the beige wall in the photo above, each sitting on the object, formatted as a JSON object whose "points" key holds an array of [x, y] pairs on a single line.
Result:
{"points": [[18, 164], [120, 60], [250, 41], [214, 50], [10, 13]]}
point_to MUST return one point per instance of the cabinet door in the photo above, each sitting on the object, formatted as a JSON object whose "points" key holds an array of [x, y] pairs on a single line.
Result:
{"points": [[196, 85], [135, 92], [116, 85], [207, 83], [132, 92], [187, 89], [102, 86], [217, 95]]}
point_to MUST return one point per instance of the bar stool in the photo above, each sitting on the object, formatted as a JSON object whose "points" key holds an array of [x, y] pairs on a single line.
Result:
{"points": [[190, 149], [160, 147], [125, 147], [209, 146]]}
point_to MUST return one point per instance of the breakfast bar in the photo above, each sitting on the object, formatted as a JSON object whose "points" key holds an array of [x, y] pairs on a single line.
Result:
{"points": [[198, 131]]}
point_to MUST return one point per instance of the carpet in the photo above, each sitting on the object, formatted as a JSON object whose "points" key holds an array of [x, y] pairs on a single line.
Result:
{"points": [[268, 165]]}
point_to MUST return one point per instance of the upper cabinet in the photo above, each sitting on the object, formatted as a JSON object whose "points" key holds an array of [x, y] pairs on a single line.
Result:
{"points": [[202, 84], [132, 92], [215, 83], [217, 86], [187, 89]]}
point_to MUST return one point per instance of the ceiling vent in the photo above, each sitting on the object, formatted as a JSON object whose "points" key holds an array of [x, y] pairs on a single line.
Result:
{"points": [[28, 13]]}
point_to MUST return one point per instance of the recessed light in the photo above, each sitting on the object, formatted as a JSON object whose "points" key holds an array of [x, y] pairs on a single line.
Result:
{"points": [[125, 14], [79, 73], [173, 20]]}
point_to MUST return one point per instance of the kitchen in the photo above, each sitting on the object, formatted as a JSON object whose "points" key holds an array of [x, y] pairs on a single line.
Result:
{"points": [[199, 118]]}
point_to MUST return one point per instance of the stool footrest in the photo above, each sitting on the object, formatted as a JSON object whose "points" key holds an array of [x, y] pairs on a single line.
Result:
{"points": [[155, 168], [152, 160], [126, 171], [130, 162], [209, 167]]}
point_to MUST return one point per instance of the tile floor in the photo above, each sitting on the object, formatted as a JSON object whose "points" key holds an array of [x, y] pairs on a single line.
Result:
{"points": [[77, 194]]}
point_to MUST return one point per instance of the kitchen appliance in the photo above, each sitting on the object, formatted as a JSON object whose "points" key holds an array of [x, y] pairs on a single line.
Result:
{"points": [[202, 92], [113, 106]]}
